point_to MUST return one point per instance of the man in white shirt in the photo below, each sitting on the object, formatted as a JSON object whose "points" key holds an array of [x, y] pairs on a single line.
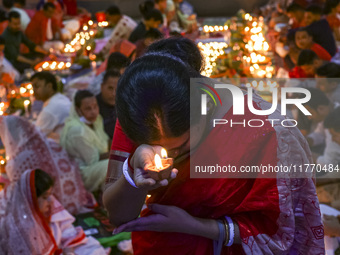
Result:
{"points": [[56, 106], [123, 27], [19, 6]]}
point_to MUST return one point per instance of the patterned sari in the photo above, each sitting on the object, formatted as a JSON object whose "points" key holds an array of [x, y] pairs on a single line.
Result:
{"points": [[25, 230], [277, 215], [28, 148]]}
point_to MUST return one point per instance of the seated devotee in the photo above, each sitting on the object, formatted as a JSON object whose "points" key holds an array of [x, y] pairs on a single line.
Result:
{"points": [[123, 27], [332, 10], [107, 101], [296, 13], [116, 61], [152, 18], [44, 30], [34, 222], [8, 74], [27, 148], [150, 37], [313, 13], [18, 6], [307, 64], [329, 80], [56, 106], [180, 218], [84, 138], [304, 41], [14, 37], [67, 27]]}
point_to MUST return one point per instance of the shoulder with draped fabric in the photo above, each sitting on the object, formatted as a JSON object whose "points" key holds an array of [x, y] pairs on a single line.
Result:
{"points": [[276, 215]]}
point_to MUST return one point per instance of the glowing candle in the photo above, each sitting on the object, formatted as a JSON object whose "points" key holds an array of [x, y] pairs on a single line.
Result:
{"points": [[162, 167], [26, 104]]}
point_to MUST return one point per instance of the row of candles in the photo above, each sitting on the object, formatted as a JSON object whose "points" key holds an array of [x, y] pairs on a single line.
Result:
{"points": [[54, 66], [255, 58], [211, 51]]}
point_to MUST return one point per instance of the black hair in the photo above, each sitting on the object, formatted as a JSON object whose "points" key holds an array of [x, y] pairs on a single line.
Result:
{"points": [[317, 98], [182, 48], [80, 95], [294, 7], [329, 5], [158, 1], [118, 61], [3, 15], [43, 182], [111, 73], [146, 6], [13, 15], [21, 2], [2, 40], [307, 57], [153, 33], [329, 70], [303, 29], [149, 12], [153, 98], [113, 10], [47, 6], [47, 77], [333, 120], [7, 3], [315, 9]]}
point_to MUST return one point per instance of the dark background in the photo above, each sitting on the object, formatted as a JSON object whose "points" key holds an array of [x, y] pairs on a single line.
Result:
{"points": [[204, 8]]}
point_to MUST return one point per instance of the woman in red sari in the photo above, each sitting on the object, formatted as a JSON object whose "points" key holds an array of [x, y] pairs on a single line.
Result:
{"points": [[269, 216]]}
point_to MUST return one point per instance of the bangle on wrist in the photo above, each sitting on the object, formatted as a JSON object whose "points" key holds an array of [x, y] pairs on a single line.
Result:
{"points": [[231, 231], [126, 174]]}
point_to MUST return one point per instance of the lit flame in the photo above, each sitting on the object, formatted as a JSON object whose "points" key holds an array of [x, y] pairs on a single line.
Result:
{"points": [[88, 48], [45, 65], [164, 153], [27, 102], [22, 90], [29, 86], [158, 162], [68, 64], [2, 162], [90, 22]]}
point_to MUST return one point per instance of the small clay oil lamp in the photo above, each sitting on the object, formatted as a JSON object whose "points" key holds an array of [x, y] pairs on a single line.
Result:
{"points": [[162, 167]]}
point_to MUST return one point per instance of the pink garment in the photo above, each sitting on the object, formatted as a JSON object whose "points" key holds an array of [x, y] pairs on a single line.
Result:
{"points": [[27, 148]]}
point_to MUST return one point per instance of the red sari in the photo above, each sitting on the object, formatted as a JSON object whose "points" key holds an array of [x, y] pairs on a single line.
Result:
{"points": [[275, 216]]}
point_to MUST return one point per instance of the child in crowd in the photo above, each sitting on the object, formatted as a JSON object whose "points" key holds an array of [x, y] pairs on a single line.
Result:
{"points": [[307, 64], [304, 40], [151, 36]]}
